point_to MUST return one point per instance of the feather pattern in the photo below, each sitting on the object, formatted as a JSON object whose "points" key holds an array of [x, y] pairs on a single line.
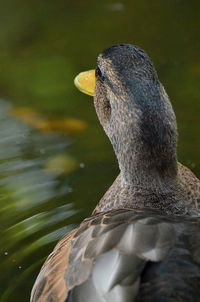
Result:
{"points": [[120, 254]]}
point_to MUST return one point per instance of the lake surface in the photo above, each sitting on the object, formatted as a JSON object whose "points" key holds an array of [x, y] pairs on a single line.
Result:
{"points": [[55, 160]]}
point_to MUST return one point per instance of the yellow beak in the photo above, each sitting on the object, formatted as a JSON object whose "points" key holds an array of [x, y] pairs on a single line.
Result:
{"points": [[85, 82]]}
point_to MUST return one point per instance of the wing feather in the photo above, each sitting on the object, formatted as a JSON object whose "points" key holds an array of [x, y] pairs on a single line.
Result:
{"points": [[107, 258]]}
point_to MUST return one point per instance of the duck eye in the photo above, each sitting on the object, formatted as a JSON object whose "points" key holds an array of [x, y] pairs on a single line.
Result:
{"points": [[98, 73]]}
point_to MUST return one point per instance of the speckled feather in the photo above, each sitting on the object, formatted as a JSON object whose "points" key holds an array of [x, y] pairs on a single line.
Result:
{"points": [[154, 237], [188, 182]]}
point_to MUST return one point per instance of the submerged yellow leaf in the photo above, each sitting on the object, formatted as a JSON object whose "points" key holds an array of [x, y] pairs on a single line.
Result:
{"points": [[30, 117], [34, 119], [61, 165], [85, 82], [67, 125]]}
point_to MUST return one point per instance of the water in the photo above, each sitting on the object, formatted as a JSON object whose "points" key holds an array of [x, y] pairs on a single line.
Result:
{"points": [[43, 45]]}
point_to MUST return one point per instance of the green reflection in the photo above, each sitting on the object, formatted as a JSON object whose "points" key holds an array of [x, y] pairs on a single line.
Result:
{"points": [[35, 210]]}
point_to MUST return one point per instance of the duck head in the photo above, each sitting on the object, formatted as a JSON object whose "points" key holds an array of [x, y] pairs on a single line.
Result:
{"points": [[136, 114]]}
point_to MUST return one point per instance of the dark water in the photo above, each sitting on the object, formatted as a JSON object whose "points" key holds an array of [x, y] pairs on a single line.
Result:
{"points": [[43, 45]]}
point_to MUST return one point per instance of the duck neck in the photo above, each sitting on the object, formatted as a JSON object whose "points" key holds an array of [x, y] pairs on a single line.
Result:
{"points": [[148, 158], [148, 173]]}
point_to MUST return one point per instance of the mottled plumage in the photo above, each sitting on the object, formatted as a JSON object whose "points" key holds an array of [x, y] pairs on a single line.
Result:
{"points": [[189, 183], [142, 242]]}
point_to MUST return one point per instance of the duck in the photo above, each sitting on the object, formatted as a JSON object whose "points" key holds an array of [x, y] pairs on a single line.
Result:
{"points": [[142, 241]]}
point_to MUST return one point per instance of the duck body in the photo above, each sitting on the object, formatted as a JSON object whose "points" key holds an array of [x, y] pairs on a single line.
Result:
{"points": [[142, 241]]}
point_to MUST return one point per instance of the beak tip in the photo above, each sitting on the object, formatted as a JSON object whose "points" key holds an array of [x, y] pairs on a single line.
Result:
{"points": [[85, 82]]}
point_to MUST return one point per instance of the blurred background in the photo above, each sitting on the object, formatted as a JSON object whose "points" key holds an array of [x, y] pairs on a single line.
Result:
{"points": [[55, 160]]}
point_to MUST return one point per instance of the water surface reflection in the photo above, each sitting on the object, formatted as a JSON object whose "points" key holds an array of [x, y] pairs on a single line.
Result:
{"points": [[34, 211]]}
